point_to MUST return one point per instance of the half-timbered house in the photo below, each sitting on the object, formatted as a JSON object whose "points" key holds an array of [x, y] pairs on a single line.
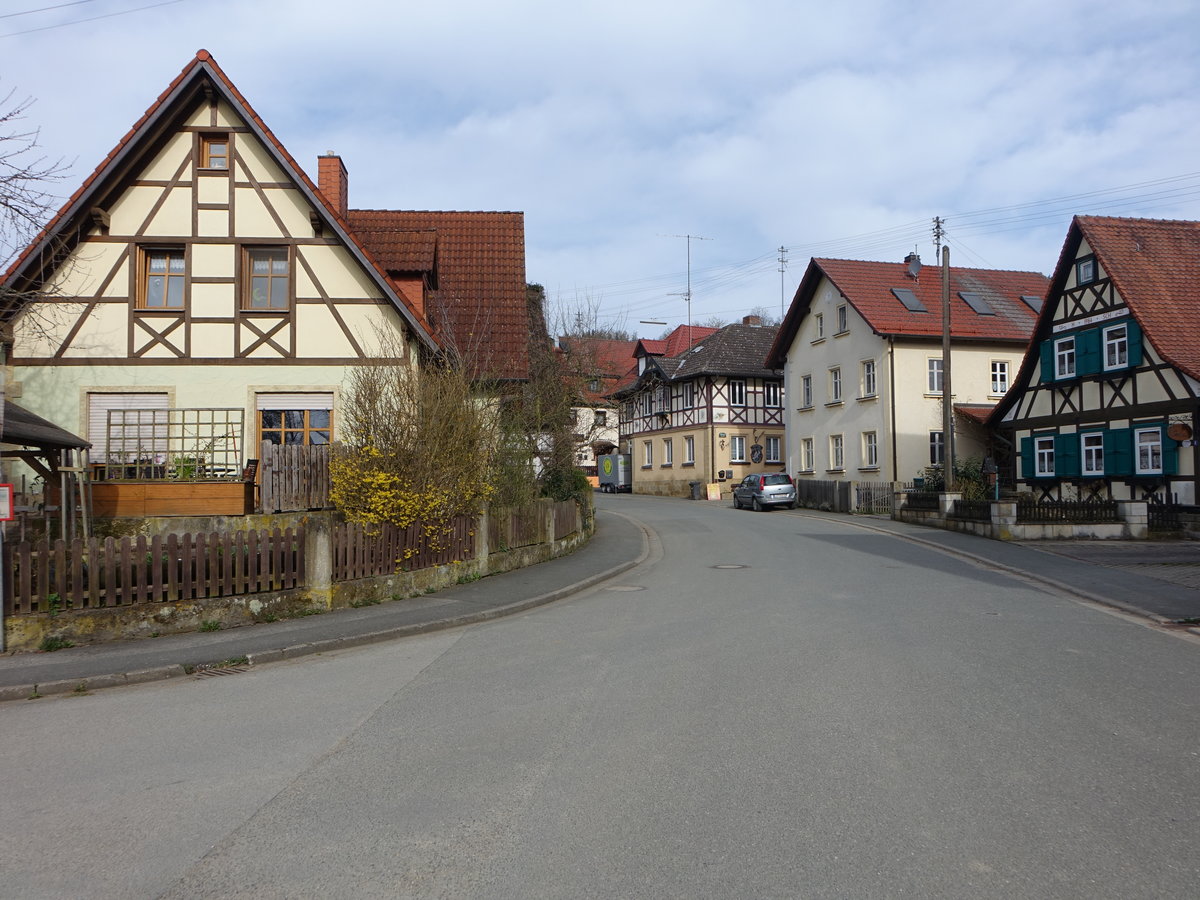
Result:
{"points": [[1105, 404], [200, 277], [712, 413], [861, 352]]}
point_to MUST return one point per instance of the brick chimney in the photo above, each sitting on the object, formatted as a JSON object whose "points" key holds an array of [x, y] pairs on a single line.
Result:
{"points": [[751, 320], [333, 182]]}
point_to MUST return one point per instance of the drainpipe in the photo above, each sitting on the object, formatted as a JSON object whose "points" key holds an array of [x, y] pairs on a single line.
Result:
{"points": [[892, 402]]}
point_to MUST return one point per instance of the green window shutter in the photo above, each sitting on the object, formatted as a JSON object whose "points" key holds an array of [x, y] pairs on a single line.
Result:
{"points": [[1170, 454], [1135, 343], [1027, 468], [1087, 352], [1066, 455], [1046, 352], [1118, 451]]}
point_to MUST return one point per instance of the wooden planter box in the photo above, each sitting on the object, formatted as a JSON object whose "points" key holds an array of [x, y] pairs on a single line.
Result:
{"points": [[122, 499]]}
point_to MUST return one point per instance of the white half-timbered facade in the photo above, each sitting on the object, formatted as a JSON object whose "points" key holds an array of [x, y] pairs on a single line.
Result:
{"points": [[1106, 402], [713, 413], [199, 267]]}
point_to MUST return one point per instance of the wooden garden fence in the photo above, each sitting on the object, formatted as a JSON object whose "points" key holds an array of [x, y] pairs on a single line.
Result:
{"points": [[359, 553], [53, 576], [293, 478]]}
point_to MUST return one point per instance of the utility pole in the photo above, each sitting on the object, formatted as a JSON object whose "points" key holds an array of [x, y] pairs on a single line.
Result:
{"points": [[947, 397], [939, 232], [782, 291]]}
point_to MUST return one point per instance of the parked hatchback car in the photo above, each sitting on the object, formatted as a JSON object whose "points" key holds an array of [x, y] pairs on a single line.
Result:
{"points": [[763, 490]]}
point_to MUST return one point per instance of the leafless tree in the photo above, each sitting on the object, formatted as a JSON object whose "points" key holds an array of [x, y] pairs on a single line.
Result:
{"points": [[26, 176]]}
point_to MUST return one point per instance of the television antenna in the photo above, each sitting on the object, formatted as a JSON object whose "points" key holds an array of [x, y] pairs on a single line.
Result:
{"points": [[687, 295]]}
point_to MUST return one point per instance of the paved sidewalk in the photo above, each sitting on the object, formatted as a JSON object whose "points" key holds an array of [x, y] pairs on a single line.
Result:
{"points": [[1156, 579], [618, 544]]}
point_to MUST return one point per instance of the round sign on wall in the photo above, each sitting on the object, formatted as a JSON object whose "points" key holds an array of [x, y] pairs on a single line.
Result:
{"points": [[756, 453], [607, 465], [1178, 431]]}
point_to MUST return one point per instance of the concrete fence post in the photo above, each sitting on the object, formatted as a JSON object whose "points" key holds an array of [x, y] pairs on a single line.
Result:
{"points": [[1135, 516], [482, 530], [318, 557]]}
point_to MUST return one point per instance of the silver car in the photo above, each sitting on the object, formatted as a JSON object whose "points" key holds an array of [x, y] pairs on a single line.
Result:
{"points": [[763, 490]]}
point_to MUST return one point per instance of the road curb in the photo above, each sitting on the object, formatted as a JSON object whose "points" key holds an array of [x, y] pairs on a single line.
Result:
{"points": [[94, 682]]}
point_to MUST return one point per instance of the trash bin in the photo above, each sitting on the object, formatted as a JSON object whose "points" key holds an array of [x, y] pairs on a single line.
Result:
{"points": [[696, 492]]}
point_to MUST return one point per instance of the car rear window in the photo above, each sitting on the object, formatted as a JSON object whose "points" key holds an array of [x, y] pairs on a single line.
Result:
{"points": [[776, 479]]}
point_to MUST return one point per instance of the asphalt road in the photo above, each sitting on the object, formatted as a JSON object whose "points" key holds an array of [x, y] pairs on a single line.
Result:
{"points": [[845, 715]]}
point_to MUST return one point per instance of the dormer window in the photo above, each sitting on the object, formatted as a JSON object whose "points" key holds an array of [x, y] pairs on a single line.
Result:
{"points": [[214, 151]]}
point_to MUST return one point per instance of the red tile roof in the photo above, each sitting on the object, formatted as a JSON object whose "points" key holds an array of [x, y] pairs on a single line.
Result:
{"points": [[679, 340], [977, 412], [478, 306], [1155, 266], [867, 287]]}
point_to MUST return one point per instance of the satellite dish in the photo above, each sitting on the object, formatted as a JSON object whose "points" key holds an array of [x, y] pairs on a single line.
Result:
{"points": [[914, 264]]}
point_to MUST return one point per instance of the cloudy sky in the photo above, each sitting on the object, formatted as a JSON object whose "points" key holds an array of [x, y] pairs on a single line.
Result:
{"points": [[831, 129]]}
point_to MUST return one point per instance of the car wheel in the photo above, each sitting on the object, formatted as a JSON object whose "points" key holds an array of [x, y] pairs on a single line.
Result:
{"points": [[792, 505], [758, 507], [736, 503]]}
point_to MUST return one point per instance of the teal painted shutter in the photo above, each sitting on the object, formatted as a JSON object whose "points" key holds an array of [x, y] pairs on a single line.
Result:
{"points": [[1027, 468], [1170, 452], [1046, 352], [1087, 352], [1135, 343], [1118, 451], [1066, 455]]}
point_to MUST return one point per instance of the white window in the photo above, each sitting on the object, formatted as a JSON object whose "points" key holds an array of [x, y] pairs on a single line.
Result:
{"points": [[668, 452], [933, 384], [1116, 347], [806, 455], [999, 376], [1148, 444], [689, 451], [1091, 450], [937, 448], [1064, 358], [139, 431], [689, 394], [1085, 270], [837, 452], [1043, 453], [870, 448], [772, 393], [868, 378], [820, 326], [806, 392], [737, 449], [773, 450], [649, 402], [648, 450], [835, 385], [842, 322], [737, 392]]}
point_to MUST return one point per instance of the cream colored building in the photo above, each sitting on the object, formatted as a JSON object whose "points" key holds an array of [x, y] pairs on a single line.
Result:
{"points": [[199, 267], [860, 349]]}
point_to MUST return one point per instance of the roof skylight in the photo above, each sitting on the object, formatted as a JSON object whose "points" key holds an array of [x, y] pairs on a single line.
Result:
{"points": [[910, 300]]}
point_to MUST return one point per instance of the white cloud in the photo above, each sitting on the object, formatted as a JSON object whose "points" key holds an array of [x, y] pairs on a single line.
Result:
{"points": [[614, 124]]}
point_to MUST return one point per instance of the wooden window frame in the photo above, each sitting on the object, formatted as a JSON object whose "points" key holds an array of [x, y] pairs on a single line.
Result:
{"points": [[1110, 339], [870, 387], [935, 380], [207, 143], [306, 429], [143, 277], [1066, 350], [1088, 454], [737, 392], [1000, 367], [775, 456], [1138, 468], [1043, 455], [772, 394], [247, 286], [837, 453], [737, 448], [806, 399]]}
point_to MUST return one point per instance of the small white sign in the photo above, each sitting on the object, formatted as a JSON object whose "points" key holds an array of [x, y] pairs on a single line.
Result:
{"points": [[6, 503]]}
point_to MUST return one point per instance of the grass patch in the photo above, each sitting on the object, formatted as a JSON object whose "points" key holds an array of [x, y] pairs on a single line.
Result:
{"points": [[51, 643], [210, 625]]}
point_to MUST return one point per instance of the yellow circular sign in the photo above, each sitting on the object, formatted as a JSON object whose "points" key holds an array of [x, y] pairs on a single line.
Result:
{"points": [[608, 465]]}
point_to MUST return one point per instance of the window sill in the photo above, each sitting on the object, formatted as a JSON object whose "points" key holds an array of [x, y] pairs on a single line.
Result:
{"points": [[667, 466], [868, 397], [646, 468], [774, 462], [738, 462], [804, 409], [835, 470], [868, 468], [806, 472], [690, 465], [819, 340], [834, 403], [838, 334]]}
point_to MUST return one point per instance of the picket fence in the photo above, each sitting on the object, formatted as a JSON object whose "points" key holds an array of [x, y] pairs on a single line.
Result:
{"points": [[54, 576]]}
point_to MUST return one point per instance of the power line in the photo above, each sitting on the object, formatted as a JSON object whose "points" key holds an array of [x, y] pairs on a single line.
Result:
{"points": [[30, 12], [123, 12]]}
